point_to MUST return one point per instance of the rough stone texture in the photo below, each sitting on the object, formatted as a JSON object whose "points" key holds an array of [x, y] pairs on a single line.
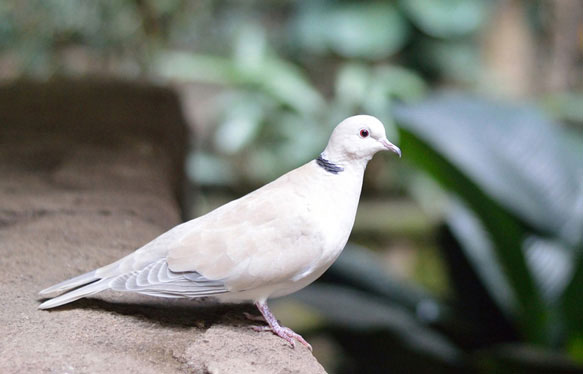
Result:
{"points": [[89, 171]]}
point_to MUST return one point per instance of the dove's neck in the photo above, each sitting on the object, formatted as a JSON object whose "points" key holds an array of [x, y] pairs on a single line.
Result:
{"points": [[334, 197], [344, 173], [336, 162]]}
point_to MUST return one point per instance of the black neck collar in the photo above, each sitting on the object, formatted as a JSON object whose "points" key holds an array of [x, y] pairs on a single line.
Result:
{"points": [[330, 167]]}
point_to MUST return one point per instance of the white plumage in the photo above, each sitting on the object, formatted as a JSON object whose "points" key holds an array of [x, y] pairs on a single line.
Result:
{"points": [[269, 243]]}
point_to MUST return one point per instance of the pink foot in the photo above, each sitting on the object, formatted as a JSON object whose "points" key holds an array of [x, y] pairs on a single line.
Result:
{"points": [[283, 332]]}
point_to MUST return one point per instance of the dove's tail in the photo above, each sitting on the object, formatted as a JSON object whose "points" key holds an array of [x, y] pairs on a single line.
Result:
{"points": [[69, 284], [89, 284], [76, 294]]}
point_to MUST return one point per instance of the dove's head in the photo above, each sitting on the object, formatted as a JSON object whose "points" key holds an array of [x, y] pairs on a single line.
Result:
{"points": [[358, 138]]}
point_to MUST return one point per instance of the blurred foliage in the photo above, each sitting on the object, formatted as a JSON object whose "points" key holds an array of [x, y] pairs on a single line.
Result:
{"points": [[370, 30], [519, 209], [268, 91], [504, 180], [512, 240], [446, 18]]}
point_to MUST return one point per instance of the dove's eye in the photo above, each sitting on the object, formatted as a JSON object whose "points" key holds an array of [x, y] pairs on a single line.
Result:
{"points": [[363, 133]]}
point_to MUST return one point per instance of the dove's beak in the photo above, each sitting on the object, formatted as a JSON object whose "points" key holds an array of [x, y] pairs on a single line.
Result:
{"points": [[390, 146]]}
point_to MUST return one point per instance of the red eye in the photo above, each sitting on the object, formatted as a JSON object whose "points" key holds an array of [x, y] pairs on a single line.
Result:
{"points": [[363, 133]]}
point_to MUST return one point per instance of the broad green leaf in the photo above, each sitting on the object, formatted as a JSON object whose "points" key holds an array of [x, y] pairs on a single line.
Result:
{"points": [[463, 144], [552, 265], [478, 248], [288, 84], [511, 153], [271, 75], [368, 30], [446, 18], [507, 233]]}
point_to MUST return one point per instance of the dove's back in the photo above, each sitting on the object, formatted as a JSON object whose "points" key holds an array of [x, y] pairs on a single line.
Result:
{"points": [[268, 243]]}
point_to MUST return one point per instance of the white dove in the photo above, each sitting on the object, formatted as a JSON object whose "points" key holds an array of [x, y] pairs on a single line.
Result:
{"points": [[269, 243]]}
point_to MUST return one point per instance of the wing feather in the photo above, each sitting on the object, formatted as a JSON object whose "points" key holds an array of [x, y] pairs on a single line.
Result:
{"points": [[266, 237], [157, 278]]}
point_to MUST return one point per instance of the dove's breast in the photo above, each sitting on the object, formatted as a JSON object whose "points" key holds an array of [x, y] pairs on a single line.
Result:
{"points": [[321, 213], [274, 240], [336, 208]]}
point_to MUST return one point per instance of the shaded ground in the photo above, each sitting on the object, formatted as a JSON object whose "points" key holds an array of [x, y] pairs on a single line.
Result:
{"points": [[80, 188]]}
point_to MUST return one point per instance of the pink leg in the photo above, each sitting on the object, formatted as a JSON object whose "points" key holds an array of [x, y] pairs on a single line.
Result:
{"points": [[274, 326]]}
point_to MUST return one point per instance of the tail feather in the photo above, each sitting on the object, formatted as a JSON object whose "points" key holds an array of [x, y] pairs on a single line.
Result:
{"points": [[69, 284], [79, 293]]}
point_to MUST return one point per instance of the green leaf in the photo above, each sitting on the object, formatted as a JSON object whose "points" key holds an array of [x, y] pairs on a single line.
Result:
{"points": [[471, 147], [552, 265], [369, 30], [478, 248], [507, 233], [269, 74], [285, 82], [446, 18], [511, 153]]}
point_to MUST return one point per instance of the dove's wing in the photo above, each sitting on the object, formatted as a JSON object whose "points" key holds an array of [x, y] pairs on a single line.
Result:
{"points": [[146, 271], [267, 237], [157, 280], [262, 238]]}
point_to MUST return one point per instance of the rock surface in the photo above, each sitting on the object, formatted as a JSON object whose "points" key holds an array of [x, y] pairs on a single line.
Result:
{"points": [[88, 172]]}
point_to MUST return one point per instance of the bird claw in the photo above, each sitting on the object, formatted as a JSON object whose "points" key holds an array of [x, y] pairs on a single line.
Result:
{"points": [[285, 333], [274, 326], [293, 335]]}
